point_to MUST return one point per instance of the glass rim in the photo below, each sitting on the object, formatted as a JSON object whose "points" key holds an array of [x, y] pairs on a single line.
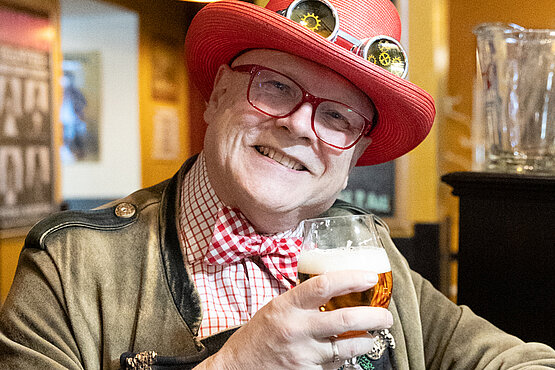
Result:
{"points": [[371, 221], [315, 219], [377, 219], [509, 28]]}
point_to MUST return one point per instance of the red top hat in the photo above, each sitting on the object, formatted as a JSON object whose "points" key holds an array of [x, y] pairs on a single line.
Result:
{"points": [[222, 30]]}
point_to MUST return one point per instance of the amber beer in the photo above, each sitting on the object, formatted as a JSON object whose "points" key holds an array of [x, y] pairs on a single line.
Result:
{"points": [[318, 261]]}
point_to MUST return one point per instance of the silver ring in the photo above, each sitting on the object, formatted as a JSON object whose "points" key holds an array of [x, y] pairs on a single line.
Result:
{"points": [[334, 349]]}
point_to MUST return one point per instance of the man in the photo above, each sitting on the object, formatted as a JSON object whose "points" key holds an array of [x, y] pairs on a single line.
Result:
{"points": [[199, 270]]}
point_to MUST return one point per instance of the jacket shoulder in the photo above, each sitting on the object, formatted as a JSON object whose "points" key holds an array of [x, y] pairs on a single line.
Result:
{"points": [[112, 216]]}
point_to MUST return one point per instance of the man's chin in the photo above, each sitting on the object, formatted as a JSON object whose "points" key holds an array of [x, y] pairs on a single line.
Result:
{"points": [[283, 209], [275, 202]]}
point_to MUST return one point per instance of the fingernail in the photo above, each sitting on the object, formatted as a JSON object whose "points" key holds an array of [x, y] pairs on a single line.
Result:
{"points": [[389, 318], [372, 278]]}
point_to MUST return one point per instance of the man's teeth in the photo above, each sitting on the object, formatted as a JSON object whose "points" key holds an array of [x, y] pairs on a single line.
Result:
{"points": [[281, 159]]}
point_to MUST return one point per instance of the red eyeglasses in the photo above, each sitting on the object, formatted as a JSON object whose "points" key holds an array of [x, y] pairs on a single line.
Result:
{"points": [[278, 96]]}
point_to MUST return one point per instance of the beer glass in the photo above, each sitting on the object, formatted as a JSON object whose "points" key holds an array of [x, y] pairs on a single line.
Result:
{"points": [[346, 243]]}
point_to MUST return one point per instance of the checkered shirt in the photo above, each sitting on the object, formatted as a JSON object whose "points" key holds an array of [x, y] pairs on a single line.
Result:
{"points": [[235, 270]]}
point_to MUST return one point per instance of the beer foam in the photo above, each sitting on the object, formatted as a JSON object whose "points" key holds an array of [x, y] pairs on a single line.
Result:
{"points": [[319, 261]]}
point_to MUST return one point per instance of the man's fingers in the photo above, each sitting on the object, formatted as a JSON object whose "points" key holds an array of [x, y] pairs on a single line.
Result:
{"points": [[361, 319], [336, 350], [318, 290]]}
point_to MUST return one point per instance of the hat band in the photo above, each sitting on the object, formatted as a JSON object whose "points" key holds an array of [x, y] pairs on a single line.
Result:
{"points": [[321, 17]]}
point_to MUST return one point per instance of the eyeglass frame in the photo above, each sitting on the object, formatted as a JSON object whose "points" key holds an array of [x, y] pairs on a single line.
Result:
{"points": [[315, 101]]}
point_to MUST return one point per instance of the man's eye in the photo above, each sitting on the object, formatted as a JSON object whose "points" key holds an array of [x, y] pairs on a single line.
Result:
{"points": [[276, 86], [337, 116], [333, 119], [337, 120]]}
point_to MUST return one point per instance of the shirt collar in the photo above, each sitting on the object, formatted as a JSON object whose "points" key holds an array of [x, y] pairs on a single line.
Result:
{"points": [[199, 210]]}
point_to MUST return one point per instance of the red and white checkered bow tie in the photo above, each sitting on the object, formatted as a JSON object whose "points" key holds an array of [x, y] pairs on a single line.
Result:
{"points": [[235, 239]]}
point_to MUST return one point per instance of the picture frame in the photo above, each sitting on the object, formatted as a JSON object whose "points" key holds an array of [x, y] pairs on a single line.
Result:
{"points": [[81, 109], [27, 160], [165, 64]]}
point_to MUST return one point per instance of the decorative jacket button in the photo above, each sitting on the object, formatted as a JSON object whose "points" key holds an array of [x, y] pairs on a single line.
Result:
{"points": [[125, 210]]}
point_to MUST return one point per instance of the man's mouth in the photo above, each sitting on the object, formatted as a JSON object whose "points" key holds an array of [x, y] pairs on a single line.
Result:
{"points": [[280, 158]]}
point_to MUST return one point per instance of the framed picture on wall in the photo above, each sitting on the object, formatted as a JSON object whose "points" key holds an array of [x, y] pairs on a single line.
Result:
{"points": [[27, 163], [165, 64], [81, 106]]}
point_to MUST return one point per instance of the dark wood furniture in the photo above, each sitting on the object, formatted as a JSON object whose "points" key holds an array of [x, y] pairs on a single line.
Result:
{"points": [[507, 250], [422, 251]]}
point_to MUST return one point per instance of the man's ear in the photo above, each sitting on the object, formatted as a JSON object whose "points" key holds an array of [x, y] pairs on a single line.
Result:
{"points": [[221, 84]]}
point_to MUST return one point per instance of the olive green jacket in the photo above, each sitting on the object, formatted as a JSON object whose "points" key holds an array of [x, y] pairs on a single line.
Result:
{"points": [[92, 285]]}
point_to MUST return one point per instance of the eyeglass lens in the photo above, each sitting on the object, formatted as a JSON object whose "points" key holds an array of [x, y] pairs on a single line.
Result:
{"points": [[278, 96]]}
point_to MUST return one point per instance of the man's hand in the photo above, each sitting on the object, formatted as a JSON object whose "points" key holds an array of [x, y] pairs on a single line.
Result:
{"points": [[290, 332]]}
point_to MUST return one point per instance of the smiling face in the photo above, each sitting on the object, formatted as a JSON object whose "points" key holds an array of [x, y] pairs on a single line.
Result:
{"points": [[275, 170]]}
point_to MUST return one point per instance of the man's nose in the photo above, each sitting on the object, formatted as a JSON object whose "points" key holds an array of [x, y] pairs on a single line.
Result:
{"points": [[299, 123]]}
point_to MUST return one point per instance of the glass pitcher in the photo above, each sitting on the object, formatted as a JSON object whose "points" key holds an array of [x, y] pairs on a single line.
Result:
{"points": [[517, 68]]}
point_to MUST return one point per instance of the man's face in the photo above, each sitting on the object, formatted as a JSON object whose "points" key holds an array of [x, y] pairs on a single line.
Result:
{"points": [[275, 170]]}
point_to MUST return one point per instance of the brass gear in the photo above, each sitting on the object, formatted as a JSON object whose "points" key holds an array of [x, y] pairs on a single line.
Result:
{"points": [[385, 59], [311, 21], [384, 46]]}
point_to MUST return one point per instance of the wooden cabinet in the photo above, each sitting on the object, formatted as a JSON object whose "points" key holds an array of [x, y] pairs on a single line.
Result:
{"points": [[507, 250]]}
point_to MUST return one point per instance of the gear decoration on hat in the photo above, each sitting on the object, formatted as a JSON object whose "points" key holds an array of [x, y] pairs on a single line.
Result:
{"points": [[382, 46], [387, 54], [311, 21], [385, 59]]}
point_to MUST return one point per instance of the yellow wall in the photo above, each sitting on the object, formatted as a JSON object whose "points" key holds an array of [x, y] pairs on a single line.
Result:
{"points": [[427, 39], [9, 254]]}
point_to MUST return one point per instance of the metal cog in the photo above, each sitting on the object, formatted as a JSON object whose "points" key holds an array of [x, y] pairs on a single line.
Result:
{"points": [[385, 59], [311, 21], [384, 46]]}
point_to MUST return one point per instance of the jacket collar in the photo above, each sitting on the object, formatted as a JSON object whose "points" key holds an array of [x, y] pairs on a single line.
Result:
{"points": [[182, 288]]}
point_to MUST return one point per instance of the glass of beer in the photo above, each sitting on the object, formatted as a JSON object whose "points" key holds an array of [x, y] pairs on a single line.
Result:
{"points": [[346, 243]]}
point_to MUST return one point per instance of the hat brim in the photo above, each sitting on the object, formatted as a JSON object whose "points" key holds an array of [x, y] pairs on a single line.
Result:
{"points": [[222, 30]]}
